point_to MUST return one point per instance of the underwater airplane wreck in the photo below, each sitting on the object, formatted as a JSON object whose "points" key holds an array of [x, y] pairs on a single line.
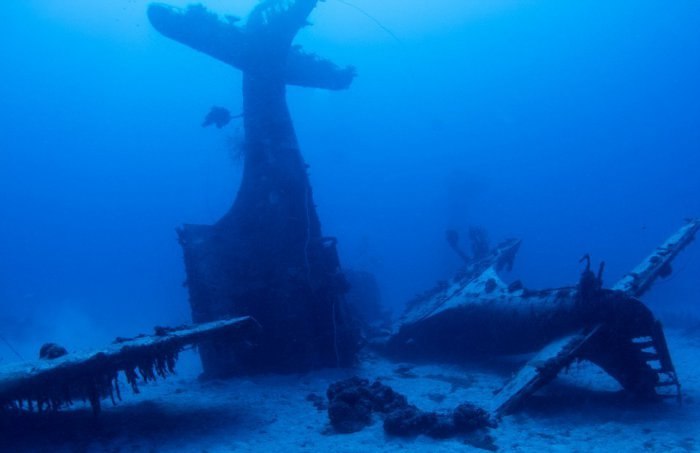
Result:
{"points": [[266, 257], [467, 316], [464, 318], [265, 276]]}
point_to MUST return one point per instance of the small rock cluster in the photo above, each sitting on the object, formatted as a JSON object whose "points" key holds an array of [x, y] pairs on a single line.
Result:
{"points": [[353, 401]]}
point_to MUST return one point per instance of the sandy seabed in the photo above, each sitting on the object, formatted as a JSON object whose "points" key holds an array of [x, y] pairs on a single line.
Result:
{"points": [[582, 411]]}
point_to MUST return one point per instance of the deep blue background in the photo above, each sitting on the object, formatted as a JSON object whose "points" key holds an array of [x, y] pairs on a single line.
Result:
{"points": [[573, 125]]}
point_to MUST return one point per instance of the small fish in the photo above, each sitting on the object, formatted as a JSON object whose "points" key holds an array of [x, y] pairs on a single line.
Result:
{"points": [[219, 117]]}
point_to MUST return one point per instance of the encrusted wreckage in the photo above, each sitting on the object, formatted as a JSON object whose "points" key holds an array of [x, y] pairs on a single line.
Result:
{"points": [[266, 257], [476, 314], [58, 379]]}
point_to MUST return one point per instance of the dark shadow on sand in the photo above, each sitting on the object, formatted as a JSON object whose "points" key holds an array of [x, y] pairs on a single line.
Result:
{"points": [[566, 400], [145, 422]]}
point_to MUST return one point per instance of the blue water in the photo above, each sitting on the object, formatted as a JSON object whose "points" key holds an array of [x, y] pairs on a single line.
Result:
{"points": [[572, 125]]}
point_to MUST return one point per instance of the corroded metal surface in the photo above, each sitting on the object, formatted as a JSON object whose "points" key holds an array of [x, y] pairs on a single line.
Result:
{"points": [[224, 39], [476, 314], [93, 375], [658, 263]]}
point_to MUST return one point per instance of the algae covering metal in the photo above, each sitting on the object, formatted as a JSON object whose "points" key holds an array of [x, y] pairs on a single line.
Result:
{"points": [[50, 384]]}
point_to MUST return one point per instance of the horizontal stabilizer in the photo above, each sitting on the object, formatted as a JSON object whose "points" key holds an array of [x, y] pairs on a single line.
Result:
{"points": [[223, 39]]}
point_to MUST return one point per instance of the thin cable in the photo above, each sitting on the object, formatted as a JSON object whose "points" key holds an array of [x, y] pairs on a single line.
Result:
{"points": [[307, 240], [308, 272], [335, 338], [372, 18], [4, 340]]}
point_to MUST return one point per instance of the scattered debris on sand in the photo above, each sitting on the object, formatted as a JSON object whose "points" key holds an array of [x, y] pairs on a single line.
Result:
{"points": [[353, 401]]}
